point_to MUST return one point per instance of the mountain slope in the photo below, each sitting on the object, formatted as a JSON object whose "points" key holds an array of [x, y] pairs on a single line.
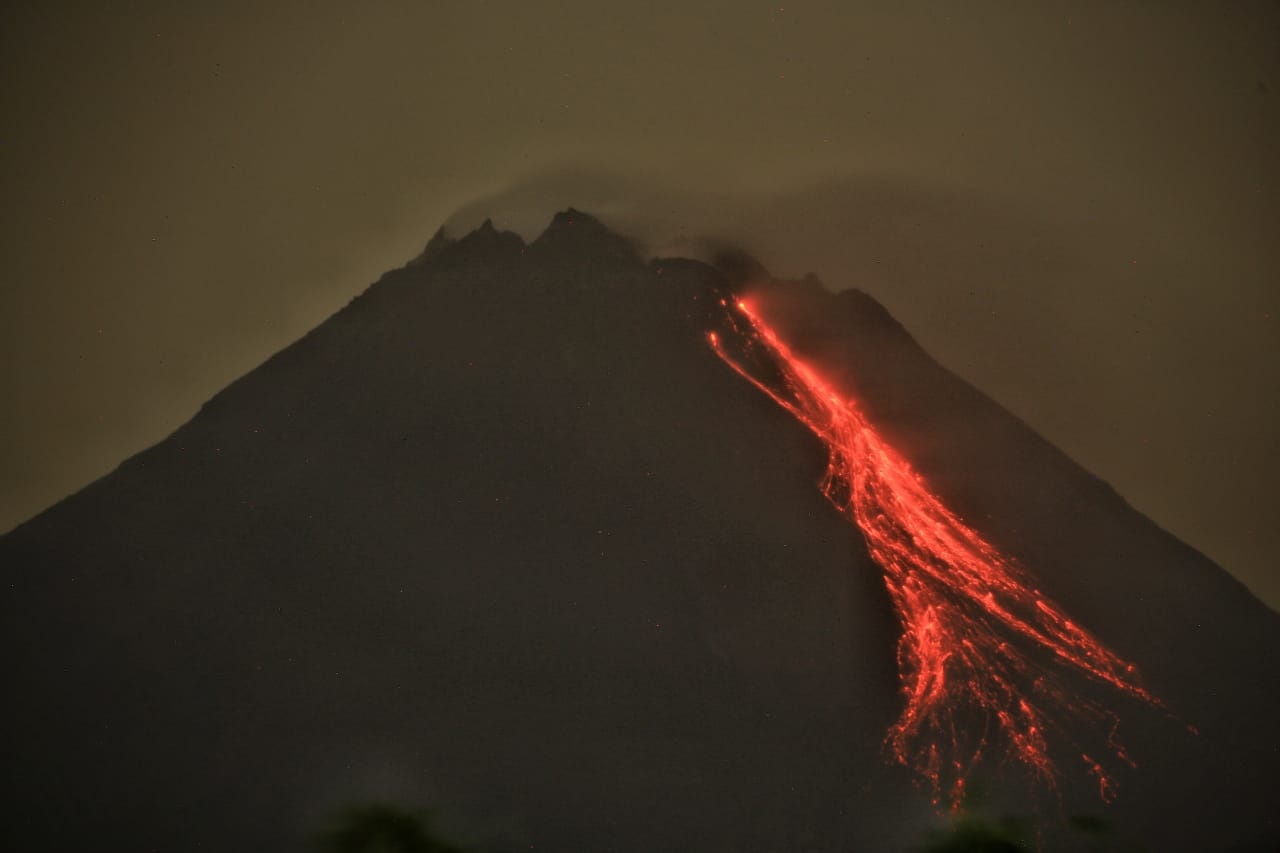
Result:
{"points": [[505, 537]]}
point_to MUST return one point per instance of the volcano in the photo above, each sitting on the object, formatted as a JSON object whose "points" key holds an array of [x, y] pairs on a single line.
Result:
{"points": [[509, 535]]}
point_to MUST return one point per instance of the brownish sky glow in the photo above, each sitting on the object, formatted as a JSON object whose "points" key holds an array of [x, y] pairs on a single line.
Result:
{"points": [[1072, 205]]}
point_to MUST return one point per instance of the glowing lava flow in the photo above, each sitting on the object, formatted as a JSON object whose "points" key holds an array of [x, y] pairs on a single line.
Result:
{"points": [[984, 658]]}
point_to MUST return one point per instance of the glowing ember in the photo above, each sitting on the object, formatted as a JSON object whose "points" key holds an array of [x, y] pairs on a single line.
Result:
{"points": [[985, 659]]}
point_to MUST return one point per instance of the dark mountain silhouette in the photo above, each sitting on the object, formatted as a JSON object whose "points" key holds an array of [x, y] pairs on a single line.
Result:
{"points": [[505, 537]]}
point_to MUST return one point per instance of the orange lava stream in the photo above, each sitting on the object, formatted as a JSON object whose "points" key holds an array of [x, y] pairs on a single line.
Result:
{"points": [[985, 659]]}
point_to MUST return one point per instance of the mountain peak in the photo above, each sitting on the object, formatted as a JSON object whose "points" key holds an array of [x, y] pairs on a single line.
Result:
{"points": [[571, 230], [522, 477], [487, 240]]}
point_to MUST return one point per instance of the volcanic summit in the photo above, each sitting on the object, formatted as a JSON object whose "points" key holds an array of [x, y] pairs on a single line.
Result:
{"points": [[536, 534]]}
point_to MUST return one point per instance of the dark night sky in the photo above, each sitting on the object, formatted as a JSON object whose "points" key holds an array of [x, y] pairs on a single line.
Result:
{"points": [[1071, 205]]}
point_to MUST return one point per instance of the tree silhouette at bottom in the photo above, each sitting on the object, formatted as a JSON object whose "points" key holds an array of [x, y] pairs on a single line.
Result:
{"points": [[976, 835], [382, 828]]}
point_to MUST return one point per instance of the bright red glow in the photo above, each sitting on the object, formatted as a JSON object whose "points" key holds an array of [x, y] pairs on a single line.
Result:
{"points": [[986, 661]]}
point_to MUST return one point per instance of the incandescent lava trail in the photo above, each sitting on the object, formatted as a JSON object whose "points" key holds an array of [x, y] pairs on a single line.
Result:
{"points": [[986, 661]]}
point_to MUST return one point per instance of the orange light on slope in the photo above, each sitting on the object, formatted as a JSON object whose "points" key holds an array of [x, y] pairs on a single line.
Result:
{"points": [[984, 658]]}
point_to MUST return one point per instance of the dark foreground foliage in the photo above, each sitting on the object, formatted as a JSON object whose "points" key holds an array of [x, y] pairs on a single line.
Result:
{"points": [[383, 828]]}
